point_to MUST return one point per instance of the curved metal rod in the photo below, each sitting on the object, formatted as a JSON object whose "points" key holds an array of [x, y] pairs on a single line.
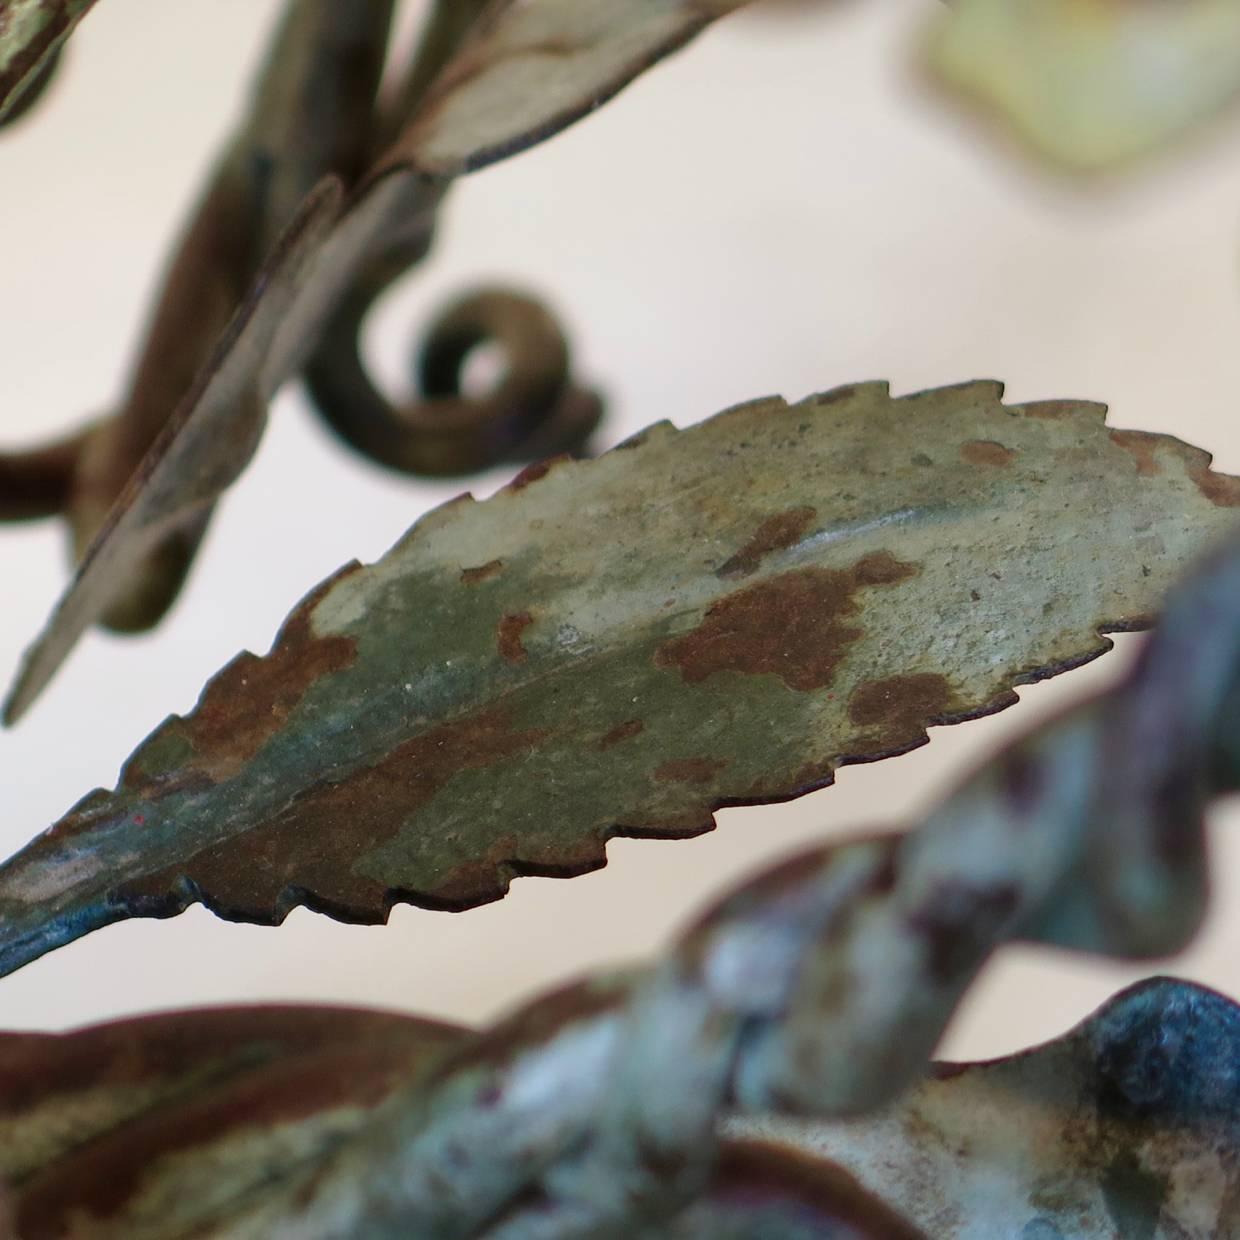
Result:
{"points": [[39, 482], [533, 411]]}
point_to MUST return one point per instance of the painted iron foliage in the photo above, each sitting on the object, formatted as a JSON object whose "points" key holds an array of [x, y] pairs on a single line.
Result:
{"points": [[294, 238], [705, 617], [620, 646], [1127, 1126], [660, 1102]]}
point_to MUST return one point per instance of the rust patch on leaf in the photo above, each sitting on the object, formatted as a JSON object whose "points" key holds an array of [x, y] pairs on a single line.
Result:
{"points": [[1222, 490], [508, 636], [313, 844], [690, 770], [252, 698], [774, 534], [795, 625], [986, 452], [484, 572], [1142, 446], [539, 469], [622, 732], [898, 708]]}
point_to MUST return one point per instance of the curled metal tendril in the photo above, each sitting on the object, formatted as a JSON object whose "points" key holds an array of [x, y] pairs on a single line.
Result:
{"points": [[822, 987], [39, 483], [533, 411], [315, 111]]}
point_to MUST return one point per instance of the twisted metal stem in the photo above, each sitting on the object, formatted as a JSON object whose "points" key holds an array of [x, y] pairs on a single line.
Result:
{"points": [[822, 986], [533, 411]]}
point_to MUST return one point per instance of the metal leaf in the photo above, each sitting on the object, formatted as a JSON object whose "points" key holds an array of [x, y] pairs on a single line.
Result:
{"points": [[198, 1109], [1102, 1132], [1127, 1126], [155, 1127], [534, 68], [704, 617], [471, 119], [31, 33], [1093, 85]]}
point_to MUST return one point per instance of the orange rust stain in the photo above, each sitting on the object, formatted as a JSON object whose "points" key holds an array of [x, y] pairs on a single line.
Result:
{"points": [[796, 625], [622, 732], [313, 843], [898, 708], [251, 700], [508, 636], [986, 452], [539, 469], [690, 770], [774, 534], [1222, 490], [484, 572], [1142, 446]]}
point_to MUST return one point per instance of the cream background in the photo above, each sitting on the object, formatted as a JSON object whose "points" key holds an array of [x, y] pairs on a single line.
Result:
{"points": [[781, 208]]}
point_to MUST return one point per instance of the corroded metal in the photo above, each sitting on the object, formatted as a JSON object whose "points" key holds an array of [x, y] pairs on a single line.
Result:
{"points": [[612, 1107], [821, 987], [498, 96], [39, 483], [31, 34], [698, 618], [310, 117], [534, 410], [1091, 85], [212, 1105], [1128, 1126], [154, 1127]]}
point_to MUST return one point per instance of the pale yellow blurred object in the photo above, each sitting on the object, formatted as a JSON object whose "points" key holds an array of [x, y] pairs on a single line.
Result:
{"points": [[1093, 83]]}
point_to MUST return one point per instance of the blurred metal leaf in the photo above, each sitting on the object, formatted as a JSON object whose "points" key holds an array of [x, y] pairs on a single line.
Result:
{"points": [[309, 118], [1129, 1126], [1107, 1131], [165, 1125], [562, 58], [699, 618], [155, 1126], [1092, 85], [535, 66], [31, 34]]}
